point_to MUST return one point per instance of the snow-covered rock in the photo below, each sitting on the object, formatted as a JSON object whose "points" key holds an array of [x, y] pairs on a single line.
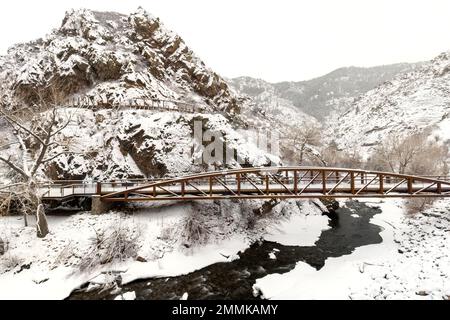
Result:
{"points": [[127, 296], [138, 143], [113, 57]]}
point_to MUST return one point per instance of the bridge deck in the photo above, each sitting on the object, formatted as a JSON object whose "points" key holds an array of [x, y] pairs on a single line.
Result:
{"points": [[246, 191], [258, 183], [93, 103]]}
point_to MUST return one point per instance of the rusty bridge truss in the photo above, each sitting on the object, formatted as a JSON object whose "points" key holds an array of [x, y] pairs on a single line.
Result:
{"points": [[282, 183], [255, 183]]}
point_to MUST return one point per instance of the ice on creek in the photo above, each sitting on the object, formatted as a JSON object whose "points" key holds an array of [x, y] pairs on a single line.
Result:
{"points": [[379, 271]]}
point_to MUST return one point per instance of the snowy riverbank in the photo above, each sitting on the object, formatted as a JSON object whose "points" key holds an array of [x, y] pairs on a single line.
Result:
{"points": [[48, 268], [412, 262]]}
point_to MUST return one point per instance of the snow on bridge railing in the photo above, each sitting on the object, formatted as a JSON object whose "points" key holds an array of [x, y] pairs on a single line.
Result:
{"points": [[136, 103]]}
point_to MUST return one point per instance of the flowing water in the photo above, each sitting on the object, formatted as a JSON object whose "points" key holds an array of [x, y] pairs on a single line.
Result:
{"points": [[234, 280]]}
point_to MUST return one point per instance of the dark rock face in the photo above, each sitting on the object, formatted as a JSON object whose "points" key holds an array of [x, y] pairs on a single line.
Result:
{"points": [[331, 204], [107, 66], [58, 172], [144, 26], [144, 157]]}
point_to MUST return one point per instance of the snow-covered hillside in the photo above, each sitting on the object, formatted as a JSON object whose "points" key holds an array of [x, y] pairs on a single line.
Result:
{"points": [[276, 111], [410, 102], [320, 96], [136, 143], [113, 57]]}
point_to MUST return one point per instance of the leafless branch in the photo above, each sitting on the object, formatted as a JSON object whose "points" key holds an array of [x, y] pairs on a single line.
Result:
{"points": [[14, 167]]}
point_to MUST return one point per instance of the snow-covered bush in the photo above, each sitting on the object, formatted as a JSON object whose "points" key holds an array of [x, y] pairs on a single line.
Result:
{"points": [[417, 205], [194, 231], [115, 243], [9, 262]]}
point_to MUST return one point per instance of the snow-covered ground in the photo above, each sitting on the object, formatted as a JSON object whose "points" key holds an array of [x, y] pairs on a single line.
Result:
{"points": [[412, 262], [299, 230], [48, 268]]}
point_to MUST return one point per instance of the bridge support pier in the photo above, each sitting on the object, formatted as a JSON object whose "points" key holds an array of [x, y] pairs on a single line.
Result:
{"points": [[99, 206]]}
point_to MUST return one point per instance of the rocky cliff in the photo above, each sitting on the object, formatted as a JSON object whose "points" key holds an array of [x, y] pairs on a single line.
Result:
{"points": [[113, 57], [110, 58]]}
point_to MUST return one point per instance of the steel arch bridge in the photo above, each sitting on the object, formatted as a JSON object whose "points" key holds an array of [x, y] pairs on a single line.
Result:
{"points": [[281, 183]]}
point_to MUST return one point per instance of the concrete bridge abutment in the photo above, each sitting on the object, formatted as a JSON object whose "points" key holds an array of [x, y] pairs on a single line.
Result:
{"points": [[98, 206]]}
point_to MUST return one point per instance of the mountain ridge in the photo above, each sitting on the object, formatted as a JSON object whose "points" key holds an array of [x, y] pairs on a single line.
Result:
{"points": [[411, 102], [319, 96]]}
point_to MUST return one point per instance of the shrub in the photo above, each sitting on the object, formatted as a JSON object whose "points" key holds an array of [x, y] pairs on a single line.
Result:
{"points": [[116, 243], [414, 154], [417, 205], [194, 230], [9, 262]]}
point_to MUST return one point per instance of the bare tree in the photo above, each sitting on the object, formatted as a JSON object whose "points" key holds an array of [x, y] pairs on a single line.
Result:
{"points": [[412, 154], [35, 131], [398, 153], [331, 155], [300, 142]]}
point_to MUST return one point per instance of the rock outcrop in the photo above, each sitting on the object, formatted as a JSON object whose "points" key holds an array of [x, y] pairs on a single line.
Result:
{"points": [[112, 57]]}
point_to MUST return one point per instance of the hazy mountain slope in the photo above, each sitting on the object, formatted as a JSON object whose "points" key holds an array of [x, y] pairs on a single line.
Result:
{"points": [[318, 97], [410, 102], [278, 111]]}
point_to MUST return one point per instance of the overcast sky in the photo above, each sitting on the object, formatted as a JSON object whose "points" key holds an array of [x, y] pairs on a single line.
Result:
{"points": [[274, 40]]}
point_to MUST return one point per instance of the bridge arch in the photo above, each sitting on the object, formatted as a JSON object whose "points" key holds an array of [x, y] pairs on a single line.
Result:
{"points": [[285, 182]]}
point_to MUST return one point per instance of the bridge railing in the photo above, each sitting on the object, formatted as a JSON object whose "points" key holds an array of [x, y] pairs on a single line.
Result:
{"points": [[93, 103], [65, 188], [293, 182], [288, 178]]}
